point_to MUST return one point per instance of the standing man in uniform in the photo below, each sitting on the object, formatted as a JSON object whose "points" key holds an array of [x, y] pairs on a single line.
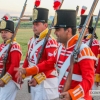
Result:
{"points": [[95, 43], [8, 83], [83, 72], [45, 84]]}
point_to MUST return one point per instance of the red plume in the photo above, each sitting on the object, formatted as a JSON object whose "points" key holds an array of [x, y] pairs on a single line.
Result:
{"points": [[83, 10], [37, 3], [57, 4], [5, 17]]}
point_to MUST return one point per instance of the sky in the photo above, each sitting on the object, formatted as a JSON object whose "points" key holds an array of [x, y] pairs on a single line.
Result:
{"points": [[14, 7]]}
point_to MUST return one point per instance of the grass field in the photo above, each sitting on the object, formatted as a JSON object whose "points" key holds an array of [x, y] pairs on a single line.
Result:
{"points": [[24, 35]]}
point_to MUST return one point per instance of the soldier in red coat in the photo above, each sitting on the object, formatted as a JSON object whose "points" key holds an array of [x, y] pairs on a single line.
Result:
{"points": [[47, 81], [83, 72], [95, 43], [8, 83]]}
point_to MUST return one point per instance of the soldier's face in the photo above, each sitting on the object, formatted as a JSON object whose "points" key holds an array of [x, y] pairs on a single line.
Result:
{"points": [[6, 35], [61, 35], [80, 30], [38, 27]]}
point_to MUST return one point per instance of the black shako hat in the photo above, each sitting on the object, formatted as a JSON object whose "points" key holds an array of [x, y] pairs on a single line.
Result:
{"points": [[82, 21], [65, 18], [40, 15], [7, 25]]}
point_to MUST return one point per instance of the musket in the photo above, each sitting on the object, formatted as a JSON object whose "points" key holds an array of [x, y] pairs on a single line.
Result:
{"points": [[46, 38], [74, 56], [12, 38], [77, 9], [91, 40]]}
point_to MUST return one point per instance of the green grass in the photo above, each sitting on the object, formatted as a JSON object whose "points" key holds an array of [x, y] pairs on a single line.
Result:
{"points": [[98, 33], [23, 35]]}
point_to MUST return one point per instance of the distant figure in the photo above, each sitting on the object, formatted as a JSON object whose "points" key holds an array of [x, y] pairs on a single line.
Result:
{"points": [[8, 83]]}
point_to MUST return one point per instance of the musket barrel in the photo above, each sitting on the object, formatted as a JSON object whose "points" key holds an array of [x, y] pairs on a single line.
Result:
{"points": [[9, 47], [77, 9], [21, 15], [94, 29], [87, 21]]}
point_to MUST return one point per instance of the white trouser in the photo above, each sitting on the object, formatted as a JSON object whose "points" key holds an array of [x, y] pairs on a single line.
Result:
{"points": [[8, 92], [47, 90], [38, 92]]}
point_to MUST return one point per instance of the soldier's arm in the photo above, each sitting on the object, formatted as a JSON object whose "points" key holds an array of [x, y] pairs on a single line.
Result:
{"points": [[41, 67], [13, 62], [97, 72], [86, 61], [51, 46], [82, 89]]}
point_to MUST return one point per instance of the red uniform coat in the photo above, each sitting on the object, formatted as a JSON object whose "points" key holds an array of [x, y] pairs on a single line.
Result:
{"points": [[47, 53], [98, 63], [13, 60], [84, 68]]}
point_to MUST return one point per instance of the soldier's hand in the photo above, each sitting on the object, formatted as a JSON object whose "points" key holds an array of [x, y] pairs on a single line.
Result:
{"points": [[19, 75], [32, 82], [65, 96], [2, 84]]}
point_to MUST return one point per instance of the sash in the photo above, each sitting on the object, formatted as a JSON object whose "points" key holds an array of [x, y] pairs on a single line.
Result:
{"points": [[4, 49], [87, 42], [66, 64], [32, 42], [36, 46]]}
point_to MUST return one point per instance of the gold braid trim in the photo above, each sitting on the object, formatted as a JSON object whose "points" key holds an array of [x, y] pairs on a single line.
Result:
{"points": [[6, 78], [40, 78]]}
